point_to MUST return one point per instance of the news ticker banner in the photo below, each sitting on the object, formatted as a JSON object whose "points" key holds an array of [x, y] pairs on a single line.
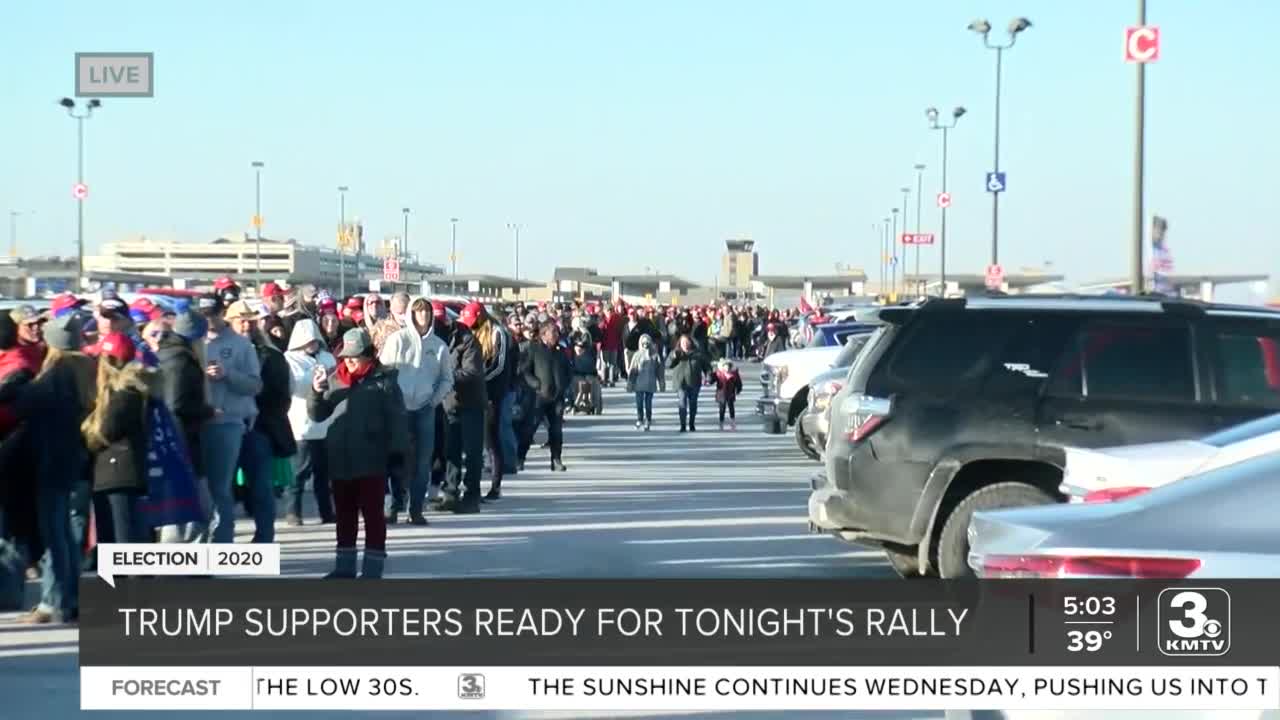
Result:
{"points": [[669, 689], [149, 642], [156, 622]]}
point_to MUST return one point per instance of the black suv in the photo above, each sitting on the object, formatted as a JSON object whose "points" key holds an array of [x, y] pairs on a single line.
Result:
{"points": [[964, 405]]}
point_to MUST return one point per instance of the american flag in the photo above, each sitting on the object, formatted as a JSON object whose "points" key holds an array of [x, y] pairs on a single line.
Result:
{"points": [[1161, 257]]}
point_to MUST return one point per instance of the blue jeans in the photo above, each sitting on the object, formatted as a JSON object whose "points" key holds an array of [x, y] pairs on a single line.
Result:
{"points": [[689, 404], [422, 433], [127, 525], [644, 407], [221, 445], [255, 460], [507, 432], [60, 580]]}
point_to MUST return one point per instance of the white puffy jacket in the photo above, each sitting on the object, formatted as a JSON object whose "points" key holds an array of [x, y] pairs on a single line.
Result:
{"points": [[424, 366], [301, 368]]}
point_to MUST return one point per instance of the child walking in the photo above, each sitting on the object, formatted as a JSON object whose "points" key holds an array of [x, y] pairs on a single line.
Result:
{"points": [[728, 384]]}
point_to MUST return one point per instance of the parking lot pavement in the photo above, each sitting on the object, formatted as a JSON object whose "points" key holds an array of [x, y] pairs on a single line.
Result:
{"points": [[632, 504]]}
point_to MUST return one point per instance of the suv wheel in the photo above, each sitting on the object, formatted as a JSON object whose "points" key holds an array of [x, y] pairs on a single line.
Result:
{"points": [[953, 544], [905, 561], [806, 443]]}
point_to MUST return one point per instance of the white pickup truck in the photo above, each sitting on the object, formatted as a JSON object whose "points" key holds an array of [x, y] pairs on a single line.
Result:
{"points": [[786, 376]]}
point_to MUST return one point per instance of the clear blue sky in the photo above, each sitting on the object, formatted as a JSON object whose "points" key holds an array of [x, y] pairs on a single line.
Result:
{"points": [[625, 135]]}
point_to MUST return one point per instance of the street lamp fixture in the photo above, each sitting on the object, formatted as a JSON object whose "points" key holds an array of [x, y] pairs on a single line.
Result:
{"points": [[342, 241], [404, 239], [70, 106], [983, 28], [453, 257], [932, 113], [257, 166]]}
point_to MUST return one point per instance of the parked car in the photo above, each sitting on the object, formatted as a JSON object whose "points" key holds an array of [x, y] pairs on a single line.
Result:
{"points": [[785, 376], [1232, 509], [960, 405], [1115, 473], [811, 428]]}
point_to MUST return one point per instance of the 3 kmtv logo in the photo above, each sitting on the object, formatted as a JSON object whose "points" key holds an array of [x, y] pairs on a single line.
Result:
{"points": [[1194, 622], [471, 686]]}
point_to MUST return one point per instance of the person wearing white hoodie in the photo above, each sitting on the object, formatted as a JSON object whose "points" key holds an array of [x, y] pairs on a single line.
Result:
{"points": [[306, 352], [425, 376]]}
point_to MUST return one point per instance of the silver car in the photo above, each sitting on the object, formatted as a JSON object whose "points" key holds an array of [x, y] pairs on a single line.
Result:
{"points": [[1218, 524]]}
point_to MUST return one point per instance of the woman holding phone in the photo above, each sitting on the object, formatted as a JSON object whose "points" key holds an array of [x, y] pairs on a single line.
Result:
{"points": [[366, 440]]}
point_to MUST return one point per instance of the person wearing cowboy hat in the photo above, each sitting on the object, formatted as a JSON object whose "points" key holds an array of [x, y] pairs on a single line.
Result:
{"points": [[234, 377]]}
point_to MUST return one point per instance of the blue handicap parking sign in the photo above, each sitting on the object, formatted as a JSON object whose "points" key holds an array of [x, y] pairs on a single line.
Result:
{"points": [[995, 182]]}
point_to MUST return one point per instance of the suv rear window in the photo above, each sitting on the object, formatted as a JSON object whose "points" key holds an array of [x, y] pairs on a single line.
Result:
{"points": [[1248, 369], [852, 346], [1127, 361], [945, 348]]}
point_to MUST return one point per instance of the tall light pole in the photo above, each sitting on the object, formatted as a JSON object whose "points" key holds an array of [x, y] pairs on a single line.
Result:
{"points": [[1139, 148], [906, 191], [884, 258], [515, 229], [13, 232], [893, 245], [453, 257], [932, 114], [342, 241], [257, 166], [404, 239], [89, 107], [875, 228], [983, 28], [919, 198]]}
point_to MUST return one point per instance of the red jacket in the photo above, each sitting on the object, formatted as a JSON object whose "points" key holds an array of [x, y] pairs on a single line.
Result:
{"points": [[22, 357], [728, 384], [613, 327]]}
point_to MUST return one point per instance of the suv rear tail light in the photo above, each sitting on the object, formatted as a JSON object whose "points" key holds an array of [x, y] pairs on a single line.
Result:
{"points": [[1051, 566], [1107, 495], [864, 415], [824, 392]]}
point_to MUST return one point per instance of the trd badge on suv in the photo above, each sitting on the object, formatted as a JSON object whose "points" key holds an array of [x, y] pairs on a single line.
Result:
{"points": [[957, 406]]}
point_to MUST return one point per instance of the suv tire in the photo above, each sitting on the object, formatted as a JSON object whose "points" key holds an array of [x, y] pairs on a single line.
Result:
{"points": [[806, 443], [905, 562], [953, 543]]}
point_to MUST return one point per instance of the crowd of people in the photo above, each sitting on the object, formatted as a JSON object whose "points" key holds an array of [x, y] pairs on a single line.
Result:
{"points": [[384, 408]]}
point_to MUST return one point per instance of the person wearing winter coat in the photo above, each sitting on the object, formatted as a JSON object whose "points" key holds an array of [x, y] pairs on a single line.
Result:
{"points": [[611, 344], [464, 410], [366, 440], [545, 372], [117, 434], [308, 351], [776, 342], [496, 349], [424, 370], [269, 435], [233, 374], [585, 372], [330, 326], [728, 383], [643, 370], [182, 383], [53, 405], [688, 366]]}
